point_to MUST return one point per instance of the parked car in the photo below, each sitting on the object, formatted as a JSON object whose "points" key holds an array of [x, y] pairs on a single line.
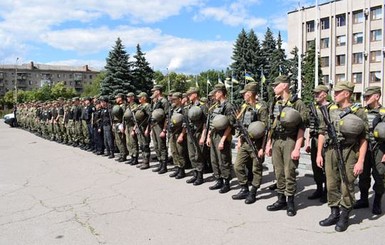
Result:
{"points": [[10, 119]]}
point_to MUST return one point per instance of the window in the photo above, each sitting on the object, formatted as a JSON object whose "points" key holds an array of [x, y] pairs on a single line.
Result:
{"points": [[341, 40], [310, 26], [358, 38], [58, 75], [325, 23], [340, 60], [376, 13], [325, 79], [375, 76], [357, 77], [309, 44], [340, 77], [325, 42], [341, 20], [375, 56], [357, 58], [90, 76], [71, 75], [325, 61], [375, 35], [358, 17]]}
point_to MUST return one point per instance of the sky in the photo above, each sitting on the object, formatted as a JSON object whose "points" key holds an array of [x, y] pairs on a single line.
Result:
{"points": [[184, 36]]}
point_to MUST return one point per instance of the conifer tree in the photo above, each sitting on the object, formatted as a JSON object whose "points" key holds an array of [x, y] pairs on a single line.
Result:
{"points": [[118, 72], [142, 72], [309, 74]]}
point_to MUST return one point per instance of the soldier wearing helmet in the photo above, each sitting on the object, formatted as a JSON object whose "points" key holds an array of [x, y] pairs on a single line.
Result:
{"points": [[350, 122], [177, 138], [285, 143], [251, 113], [374, 159], [219, 139]]}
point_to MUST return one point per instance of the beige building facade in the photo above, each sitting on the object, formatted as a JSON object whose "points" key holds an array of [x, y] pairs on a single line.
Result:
{"points": [[30, 76], [349, 36]]}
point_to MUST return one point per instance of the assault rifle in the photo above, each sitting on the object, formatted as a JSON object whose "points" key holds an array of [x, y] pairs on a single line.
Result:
{"points": [[314, 116], [244, 133], [337, 146], [269, 126]]}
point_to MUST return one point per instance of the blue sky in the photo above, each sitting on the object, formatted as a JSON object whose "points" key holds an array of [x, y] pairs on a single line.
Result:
{"points": [[182, 35]]}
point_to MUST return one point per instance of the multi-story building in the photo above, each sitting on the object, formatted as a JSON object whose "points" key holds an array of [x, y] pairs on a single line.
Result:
{"points": [[349, 37], [30, 76]]}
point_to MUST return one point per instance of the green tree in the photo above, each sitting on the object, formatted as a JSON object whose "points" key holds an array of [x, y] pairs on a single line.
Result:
{"points": [[61, 90], [118, 72], [309, 74], [143, 75], [268, 46]]}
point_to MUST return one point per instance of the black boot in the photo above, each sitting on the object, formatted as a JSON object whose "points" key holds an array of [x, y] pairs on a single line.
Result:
{"points": [[145, 164], [131, 160], [111, 156], [363, 202], [343, 222], [242, 194], [317, 194], [199, 179], [122, 158], [279, 204], [252, 197], [157, 169], [333, 217], [134, 160], [181, 174], [218, 184], [175, 173], [163, 167], [273, 187], [290, 206], [226, 187], [377, 204], [192, 179]]}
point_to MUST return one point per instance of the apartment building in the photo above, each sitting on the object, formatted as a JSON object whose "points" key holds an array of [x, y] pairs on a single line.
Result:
{"points": [[349, 37], [30, 76]]}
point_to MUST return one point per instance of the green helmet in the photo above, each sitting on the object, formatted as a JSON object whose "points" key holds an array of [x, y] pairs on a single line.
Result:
{"points": [[220, 122], [351, 126], [290, 118], [177, 120], [379, 131], [158, 115], [194, 113], [127, 115], [256, 130], [117, 111], [140, 115]]}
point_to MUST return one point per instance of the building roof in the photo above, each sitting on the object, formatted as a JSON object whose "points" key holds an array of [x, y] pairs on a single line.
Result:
{"points": [[312, 6], [45, 67]]}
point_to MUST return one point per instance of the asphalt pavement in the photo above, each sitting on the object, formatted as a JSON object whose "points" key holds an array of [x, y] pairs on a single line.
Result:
{"points": [[56, 194]]}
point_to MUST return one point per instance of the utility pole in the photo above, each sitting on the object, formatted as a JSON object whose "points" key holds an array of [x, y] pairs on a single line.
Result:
{"points": [[16, 80]]}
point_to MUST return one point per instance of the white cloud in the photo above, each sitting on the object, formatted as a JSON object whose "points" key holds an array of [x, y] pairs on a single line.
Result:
{"points": [[235, 14]]}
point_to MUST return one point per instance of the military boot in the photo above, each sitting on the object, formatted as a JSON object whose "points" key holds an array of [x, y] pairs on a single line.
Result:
{"points": [[333, 217], [363, 202], [377, 204], [317, 194], [242, 194], [252, 197], [111, 156], [134, 160], [163, 167], [226, 187], [157, 169], [199, 179], [290, 206], [145, 164], [122, 158], [181, 174], [279, 204], [175, 173], [218, 184], [131, 159], [343, 222], [192, 179]]}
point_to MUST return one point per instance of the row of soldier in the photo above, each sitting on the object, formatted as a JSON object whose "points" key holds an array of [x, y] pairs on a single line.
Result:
{"points": [[195, 129]]}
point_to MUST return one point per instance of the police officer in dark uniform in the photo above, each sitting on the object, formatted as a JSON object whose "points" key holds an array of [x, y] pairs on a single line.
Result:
{"points": [[107, 130]]}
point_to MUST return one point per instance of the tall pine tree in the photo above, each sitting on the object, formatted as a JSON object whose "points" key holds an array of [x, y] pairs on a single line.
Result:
{"points": [[309, 74], [118, 72], [142, 72], [268, 46]]}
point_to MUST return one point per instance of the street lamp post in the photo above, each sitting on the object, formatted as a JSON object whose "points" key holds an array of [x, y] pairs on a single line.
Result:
{"points": [[16, 80]]}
